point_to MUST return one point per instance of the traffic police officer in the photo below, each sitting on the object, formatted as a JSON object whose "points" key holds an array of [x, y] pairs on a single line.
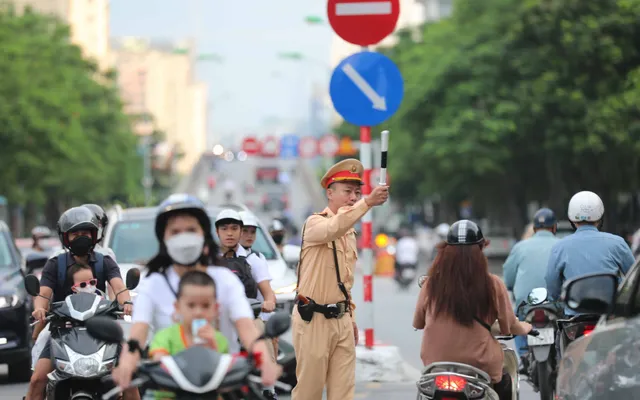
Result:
{"points": [[323, 324]]}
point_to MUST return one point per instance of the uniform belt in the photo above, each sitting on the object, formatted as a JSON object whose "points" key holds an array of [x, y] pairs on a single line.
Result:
{"points": [[336, 310]]}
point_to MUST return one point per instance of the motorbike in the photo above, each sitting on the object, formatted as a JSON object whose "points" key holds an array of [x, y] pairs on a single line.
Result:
{"points": [[80, 361], [574, 327], [451, 380], [457, 381], [285, 352], [541, 358], [405, 274], [197, 372]]}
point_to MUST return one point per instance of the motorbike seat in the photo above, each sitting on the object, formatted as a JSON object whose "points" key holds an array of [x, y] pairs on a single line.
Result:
{"points": [[458, 368]]}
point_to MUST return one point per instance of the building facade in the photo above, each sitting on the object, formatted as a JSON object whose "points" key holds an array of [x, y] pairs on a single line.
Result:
{"points": [[158, 77]]}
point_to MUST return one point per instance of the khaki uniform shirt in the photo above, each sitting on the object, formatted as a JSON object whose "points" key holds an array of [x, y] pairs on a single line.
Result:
{"points": [[317, 274]]}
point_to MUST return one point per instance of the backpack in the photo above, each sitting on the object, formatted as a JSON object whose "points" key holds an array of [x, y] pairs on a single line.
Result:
{"points": [[62, 269], [241, 267]]}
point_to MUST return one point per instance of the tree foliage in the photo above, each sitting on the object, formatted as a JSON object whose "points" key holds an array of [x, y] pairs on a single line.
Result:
{"points": [[512, 101], [63, 136]]}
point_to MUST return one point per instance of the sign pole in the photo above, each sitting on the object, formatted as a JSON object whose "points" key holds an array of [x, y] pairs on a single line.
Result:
{"points": [[367, 235]]}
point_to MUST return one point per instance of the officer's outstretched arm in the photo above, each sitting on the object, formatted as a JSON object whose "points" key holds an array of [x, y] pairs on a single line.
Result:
{"points": [[320, 229]]}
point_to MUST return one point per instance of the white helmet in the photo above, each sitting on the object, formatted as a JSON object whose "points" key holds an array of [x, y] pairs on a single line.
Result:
{"points": [[442, 230], [249, 219], [585, 207], [229, 214]]}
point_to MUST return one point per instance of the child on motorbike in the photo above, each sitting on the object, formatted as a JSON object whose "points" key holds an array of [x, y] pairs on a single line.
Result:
{"points": [[197, 309], [83, 280]]}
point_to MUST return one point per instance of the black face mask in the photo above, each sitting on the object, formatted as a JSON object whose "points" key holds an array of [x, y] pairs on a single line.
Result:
{"points": [[81, 245], [278, 237]]}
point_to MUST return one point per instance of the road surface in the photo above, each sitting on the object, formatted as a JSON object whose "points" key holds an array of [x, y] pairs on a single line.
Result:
{"points": [[393, 318]]}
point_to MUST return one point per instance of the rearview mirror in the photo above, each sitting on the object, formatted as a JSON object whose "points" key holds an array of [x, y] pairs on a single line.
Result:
{"points": [[421, 280], [277, 324], [592, 293], [133, 278], [291, 254], [105, 329], [32, 284], [36, 261], [537, 296]]}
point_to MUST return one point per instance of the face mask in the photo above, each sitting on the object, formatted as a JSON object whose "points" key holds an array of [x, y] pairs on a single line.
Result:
{"points": [[87, 289], [278, 237], [185, 248], [81, 245]]}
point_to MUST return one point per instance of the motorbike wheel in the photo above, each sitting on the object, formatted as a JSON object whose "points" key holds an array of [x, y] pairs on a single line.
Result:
{"points": [[543, 371]]}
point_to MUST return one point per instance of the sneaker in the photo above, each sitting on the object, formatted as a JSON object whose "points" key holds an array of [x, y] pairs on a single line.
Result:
{"points": [[269, 395]]}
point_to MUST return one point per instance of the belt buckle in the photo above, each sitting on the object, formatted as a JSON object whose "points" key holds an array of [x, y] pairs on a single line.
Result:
{"points": [[341, 309]]}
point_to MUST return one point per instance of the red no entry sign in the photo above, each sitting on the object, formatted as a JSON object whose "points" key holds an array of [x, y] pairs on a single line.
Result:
{"points": [[251, 146], [363, 22]]}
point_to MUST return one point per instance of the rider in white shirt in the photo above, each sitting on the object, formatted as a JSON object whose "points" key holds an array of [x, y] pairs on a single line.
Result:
{"points": [[183, 229]]}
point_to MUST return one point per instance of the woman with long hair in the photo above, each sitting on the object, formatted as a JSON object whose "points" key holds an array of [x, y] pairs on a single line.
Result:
{"points": [[458, 303], [183, 229]]}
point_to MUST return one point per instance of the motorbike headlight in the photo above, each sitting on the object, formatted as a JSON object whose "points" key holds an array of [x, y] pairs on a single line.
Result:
{"points": [[83, 365], [286, 289], [9, 301]]}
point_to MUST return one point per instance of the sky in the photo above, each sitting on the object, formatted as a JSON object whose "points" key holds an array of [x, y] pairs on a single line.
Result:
{"points": [[252, 89]]}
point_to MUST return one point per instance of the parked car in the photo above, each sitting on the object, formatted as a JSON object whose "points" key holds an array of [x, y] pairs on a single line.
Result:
{"points": [[131, 236], [15, 310], [501, 242], [604, 363]]}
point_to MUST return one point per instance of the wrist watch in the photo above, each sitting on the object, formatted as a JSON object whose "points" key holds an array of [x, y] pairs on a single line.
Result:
{"points": [[134, 346], [127, 302]]}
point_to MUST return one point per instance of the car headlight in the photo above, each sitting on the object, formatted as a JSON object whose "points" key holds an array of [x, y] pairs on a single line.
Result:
{"points": [[9, 301], [85, 366], [286, 289]]}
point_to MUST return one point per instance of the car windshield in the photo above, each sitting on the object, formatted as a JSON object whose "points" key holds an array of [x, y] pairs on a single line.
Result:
{"points": [[134, 242], [6, 259]]}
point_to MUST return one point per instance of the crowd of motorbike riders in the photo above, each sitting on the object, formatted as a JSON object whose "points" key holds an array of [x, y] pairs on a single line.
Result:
{"points": [[175, 308]]}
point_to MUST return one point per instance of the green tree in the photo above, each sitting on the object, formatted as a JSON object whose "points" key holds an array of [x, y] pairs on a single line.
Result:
{"points": [[64, 136], [511, 101]]}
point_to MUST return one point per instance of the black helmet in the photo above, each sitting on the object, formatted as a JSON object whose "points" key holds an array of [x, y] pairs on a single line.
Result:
{"points": [[276, 226], [181, 203], [544, 218], [464, 232], [100, 214], [77, 219]]}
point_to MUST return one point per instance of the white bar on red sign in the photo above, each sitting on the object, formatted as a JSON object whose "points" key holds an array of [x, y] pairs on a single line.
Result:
{"points": [[368, 8]]}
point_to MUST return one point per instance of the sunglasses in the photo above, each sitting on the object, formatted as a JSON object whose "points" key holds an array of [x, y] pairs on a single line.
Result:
{"points": [[90, 282]]}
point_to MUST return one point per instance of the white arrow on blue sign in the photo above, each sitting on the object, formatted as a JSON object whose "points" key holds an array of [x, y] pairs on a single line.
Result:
{"points": [[289, 146], [366, 88]]}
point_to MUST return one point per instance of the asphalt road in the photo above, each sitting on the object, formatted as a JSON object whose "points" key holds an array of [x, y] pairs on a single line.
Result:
{"points": [[393, 318]]}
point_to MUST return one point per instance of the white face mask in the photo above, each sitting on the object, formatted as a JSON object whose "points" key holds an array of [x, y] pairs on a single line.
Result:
{"points": [[87, 289], [185, 248]]}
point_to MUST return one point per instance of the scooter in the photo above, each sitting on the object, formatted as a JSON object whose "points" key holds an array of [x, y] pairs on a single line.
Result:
{"points": [[197, 372], [405, 274], [80, 361], [541, 359], [450, 380]]}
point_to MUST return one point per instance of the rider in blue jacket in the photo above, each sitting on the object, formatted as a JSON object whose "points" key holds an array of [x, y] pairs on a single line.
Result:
{"points": [[588, 250]]}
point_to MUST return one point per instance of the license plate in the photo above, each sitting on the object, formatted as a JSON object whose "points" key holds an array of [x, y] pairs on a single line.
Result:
{"points": [[546, 337]]}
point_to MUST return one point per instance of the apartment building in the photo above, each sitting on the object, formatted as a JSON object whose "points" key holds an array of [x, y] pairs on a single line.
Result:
{"points": [[413, 13], [89, 22], [158, 77]]}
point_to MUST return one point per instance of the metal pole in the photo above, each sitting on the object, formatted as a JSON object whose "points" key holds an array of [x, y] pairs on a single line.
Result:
{"points": [[147, 180], [367, 234]]}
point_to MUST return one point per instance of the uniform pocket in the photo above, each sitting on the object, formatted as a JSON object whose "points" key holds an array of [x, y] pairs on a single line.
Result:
{"points": [[341, 255]]}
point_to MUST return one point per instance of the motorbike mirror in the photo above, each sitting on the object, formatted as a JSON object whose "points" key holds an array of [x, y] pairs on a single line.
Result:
{"points": [[133, 278], [421, 280], [591, 294], [105, 329], [256, 306], [537, 296], [32, 284], [291, 254], [278, 324], [35, 261]]}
